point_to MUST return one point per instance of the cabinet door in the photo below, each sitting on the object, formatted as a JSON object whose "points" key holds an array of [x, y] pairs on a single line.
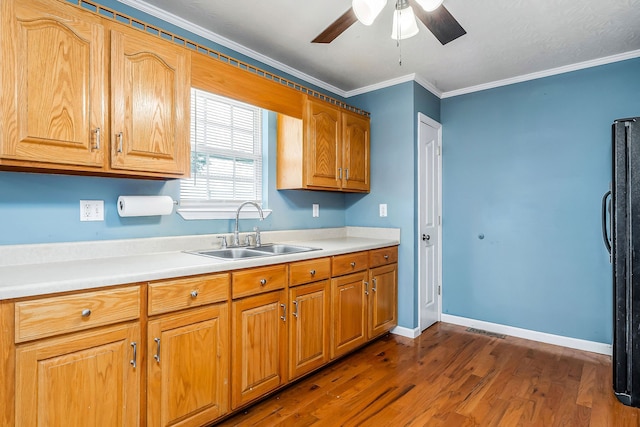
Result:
{"points": [[259, 358], [348, 312], [383, 304], [150, 107], [188, 367], [323, 152], [308, 327], [88, 378], [53, 83], [355, 147]]}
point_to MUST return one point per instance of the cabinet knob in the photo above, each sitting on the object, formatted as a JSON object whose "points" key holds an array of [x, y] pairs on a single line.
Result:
{"points": [[86, 312], [386, 257], [194, 294], [263, 282], [353, 264], [313, 272]]}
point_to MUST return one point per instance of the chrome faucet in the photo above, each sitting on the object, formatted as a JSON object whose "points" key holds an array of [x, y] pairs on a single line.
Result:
{"points": [[236, 234]]}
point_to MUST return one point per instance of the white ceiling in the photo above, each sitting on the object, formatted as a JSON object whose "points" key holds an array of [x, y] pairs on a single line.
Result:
{"points": [[505, 39]]}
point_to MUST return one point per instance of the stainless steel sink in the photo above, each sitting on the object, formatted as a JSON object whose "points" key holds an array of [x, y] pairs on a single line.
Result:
{"points": [[231, 253], [281, 249], [253, 251]]}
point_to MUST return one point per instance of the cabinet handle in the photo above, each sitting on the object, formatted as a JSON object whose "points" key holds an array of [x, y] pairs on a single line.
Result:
{"points": [[347, 173], [119, 142], [133, 361], [86, 312], [386, 257], [366, 288], [313, 272], [284, 312], [97, 132], [375, 284], [295, 313], [263, 282], [157, 355], [353, 264], [194, 294], [339, 173]]}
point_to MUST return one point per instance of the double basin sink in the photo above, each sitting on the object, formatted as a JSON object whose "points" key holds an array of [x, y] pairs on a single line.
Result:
{"points": [[254, 251]]}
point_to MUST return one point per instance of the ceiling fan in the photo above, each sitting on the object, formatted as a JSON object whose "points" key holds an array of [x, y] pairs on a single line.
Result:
{"points": [[432, 13]]}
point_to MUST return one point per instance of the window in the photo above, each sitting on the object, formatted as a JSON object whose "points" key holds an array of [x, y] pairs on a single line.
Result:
{"points": [[226, 153]]}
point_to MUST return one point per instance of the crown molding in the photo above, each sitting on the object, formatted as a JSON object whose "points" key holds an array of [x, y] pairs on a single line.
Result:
{"points": [[546, 73], [392, 82], [145, 7]]}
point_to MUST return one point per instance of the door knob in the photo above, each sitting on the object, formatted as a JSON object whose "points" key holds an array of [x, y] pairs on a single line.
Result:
{"points": [[426, 237]]}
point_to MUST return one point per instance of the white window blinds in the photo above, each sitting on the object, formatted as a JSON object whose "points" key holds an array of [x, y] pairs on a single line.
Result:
{"points": [[226, 151]]}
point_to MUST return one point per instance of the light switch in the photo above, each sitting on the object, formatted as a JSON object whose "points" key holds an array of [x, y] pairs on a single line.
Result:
{"points": [[316, 210], [383, 209]]}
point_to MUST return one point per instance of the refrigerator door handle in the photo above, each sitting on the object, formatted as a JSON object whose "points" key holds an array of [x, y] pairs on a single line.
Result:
{"points": [[605, 235]]}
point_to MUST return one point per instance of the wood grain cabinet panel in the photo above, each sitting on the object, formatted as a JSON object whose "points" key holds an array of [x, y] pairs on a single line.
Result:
{"points": [[258, 280], [309, 330], [150, 104], [49, 316], [309, 271], [187, 292], [259, 346], [88, 378], [188, 367], [328, 149], [349, 263], [382, 300], [349, 310], [54, 92], [383, 256]]}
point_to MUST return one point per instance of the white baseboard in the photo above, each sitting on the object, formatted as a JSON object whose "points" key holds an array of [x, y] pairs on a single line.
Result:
{"points": [[592, 346], [406, 332]]}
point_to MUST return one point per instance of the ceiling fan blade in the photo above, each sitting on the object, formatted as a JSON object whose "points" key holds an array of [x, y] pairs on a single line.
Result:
{"points": [[441, 23], [336, 28]]}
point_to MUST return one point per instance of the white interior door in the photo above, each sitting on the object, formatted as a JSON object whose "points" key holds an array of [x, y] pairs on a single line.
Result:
{"points": [[429, 243]]}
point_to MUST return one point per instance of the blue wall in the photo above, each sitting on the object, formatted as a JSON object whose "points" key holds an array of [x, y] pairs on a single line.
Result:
{"points": [[394, 112], [526, 165]]}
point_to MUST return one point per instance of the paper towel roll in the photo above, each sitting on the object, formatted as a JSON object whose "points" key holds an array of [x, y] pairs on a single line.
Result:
{"points": [[144, 205]]}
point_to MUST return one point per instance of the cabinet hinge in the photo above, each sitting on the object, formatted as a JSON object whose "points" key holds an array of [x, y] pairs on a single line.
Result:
{"points": [[439, 220], [439, 290], [439, 150]]}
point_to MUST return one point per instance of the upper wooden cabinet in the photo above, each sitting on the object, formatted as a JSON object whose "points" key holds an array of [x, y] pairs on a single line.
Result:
{"points": [[327, 150], [59, 63], [53, 85], [150, 104]]}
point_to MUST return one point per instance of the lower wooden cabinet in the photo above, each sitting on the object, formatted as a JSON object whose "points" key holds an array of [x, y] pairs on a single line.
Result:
{"points": [[383, 300], [188, 367], [309, 330], [84, 379], [259, 346], [349, 305]]}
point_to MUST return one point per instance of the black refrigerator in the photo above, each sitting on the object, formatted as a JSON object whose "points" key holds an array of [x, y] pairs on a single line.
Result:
{"points": [[621, 232]]}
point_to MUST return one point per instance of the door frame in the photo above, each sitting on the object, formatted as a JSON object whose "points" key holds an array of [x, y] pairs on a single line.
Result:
{"points": [[422, 118]]}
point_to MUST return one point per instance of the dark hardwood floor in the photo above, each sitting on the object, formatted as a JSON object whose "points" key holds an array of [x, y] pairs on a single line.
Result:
{"points": [[451, 377]]}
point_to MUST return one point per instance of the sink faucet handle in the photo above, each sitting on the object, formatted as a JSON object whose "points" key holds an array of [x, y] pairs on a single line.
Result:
{"points": [[257, 238], [223, 243], [247, 240]]}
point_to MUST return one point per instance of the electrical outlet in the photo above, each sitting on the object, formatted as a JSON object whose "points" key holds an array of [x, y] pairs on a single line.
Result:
{"points": [[91, 210], [316, 210], [383, 209]]}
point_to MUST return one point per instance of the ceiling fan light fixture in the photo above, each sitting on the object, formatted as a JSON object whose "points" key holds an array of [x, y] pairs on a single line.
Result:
{"points": [[429, 5], [404, 23], [367, 10]]}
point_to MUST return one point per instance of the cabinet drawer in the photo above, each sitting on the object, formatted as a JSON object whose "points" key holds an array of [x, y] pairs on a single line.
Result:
{"points": [[178, 294], [258, 280], [309, 271], [58, 315], [383, 256], [350, 263]]}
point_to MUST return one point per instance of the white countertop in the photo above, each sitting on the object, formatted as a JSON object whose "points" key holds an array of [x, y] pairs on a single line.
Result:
{"points": [[57, 272]]}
